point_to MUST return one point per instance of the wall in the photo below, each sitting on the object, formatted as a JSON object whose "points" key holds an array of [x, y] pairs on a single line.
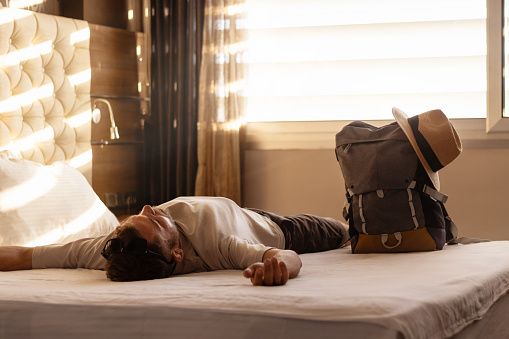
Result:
{"points": [[119, 62], [117, 169], [310, 181]]}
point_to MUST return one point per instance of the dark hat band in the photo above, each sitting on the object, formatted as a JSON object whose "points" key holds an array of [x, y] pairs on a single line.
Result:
{"points": [[424, 146]]}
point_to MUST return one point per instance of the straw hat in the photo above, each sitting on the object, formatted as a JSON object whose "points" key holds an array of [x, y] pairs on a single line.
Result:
{"points": [[433, 138]]}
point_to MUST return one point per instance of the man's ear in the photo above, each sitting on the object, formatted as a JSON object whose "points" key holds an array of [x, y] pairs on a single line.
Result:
{"points": [[178, 254]]}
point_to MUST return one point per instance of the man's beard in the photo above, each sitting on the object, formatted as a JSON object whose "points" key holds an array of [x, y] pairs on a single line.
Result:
{"points": [[175, 240]]}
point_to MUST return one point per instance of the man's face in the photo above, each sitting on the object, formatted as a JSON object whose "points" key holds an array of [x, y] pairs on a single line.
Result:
{"points": [[155, 226]]}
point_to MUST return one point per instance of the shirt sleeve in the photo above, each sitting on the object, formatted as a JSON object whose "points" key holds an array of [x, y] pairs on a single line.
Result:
{"points": [[239, 253], [83, 253]]}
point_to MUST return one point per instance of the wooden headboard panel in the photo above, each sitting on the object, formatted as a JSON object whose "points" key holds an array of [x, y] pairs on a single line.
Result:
{"points": [[45, 113]]}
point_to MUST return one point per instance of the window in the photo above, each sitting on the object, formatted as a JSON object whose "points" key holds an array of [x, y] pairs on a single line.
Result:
{"points": [[341, 60], [346, 60]]}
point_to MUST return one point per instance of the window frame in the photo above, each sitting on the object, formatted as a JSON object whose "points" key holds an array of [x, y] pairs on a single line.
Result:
{"points": [[495, 122], [489, 132]]}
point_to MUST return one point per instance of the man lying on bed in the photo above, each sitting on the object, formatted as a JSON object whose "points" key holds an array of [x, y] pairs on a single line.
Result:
{"points": [[192, 234]]}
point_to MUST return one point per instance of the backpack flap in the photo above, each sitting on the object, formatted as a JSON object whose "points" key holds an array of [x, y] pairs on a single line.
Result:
{"points": [[373, 158]]}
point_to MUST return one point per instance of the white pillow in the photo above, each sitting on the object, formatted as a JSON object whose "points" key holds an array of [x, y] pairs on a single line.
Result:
{"points": [[48, 204]]}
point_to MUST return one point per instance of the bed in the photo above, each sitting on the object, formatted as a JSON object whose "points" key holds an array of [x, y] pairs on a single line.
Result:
{"points": [[46, 197], [458, 292]]}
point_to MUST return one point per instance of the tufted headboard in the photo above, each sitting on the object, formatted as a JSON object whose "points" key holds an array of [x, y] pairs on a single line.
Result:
{"points": [[45, 88]]}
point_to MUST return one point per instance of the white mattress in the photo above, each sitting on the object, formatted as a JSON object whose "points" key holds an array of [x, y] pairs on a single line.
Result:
{"points": [[410, 295]]}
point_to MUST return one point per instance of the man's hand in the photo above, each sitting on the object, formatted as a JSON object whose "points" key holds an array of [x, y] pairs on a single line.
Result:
{"points": [[277, 267], [269, 273]]}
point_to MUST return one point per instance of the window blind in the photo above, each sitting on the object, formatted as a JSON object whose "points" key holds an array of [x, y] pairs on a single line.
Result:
{"points": [[355, 60]]}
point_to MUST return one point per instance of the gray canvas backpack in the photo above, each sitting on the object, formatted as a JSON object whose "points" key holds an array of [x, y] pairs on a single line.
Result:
{"points": [[392, 204]]}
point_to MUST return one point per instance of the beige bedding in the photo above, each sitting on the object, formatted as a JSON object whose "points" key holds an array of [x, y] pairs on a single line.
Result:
{"points": [[413, 295]]}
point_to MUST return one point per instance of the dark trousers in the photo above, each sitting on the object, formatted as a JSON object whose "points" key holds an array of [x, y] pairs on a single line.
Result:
{"points": [[306, 233]]}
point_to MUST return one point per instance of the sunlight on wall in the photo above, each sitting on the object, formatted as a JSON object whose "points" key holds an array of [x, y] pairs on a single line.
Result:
{"points": [[6, 18], [44, 48], [79, 119], [81, 77], [29, 97], [9, 105], [81, 160], [20, 55], [80, 36], [30, 141]]}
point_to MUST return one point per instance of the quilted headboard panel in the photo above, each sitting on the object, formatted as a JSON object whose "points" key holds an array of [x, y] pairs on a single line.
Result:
{"points": [[45, 88]]}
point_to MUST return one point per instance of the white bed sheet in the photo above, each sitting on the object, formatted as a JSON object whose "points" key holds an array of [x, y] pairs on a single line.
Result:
{"points": [[410, 295]]}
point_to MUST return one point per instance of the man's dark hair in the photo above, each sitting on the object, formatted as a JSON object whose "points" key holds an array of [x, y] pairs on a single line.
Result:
{"points": [[131, 267]]}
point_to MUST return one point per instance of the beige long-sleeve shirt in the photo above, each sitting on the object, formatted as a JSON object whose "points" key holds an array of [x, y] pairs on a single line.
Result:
{"points": [[215, 234]]}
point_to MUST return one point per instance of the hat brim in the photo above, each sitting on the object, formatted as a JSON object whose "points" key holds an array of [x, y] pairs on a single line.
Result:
{"points": [[402, 120]]}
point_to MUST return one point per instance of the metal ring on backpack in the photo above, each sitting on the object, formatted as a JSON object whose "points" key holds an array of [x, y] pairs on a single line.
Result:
{"points": [[385, 237]]}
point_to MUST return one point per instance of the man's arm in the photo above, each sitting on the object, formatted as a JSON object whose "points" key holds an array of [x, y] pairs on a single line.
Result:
{"points": [[277, 267], [13, 258]]}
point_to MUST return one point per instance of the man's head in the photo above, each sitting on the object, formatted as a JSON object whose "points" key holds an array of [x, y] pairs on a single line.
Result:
{"points": [[145, 246]]}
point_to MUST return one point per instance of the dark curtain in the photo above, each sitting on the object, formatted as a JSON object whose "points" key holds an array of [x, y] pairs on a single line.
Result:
{"points": [[170, 133]]}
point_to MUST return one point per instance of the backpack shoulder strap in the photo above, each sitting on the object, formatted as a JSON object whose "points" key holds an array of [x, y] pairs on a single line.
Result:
{"points": [[452, 232], [429, 191], [466, 240]]}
